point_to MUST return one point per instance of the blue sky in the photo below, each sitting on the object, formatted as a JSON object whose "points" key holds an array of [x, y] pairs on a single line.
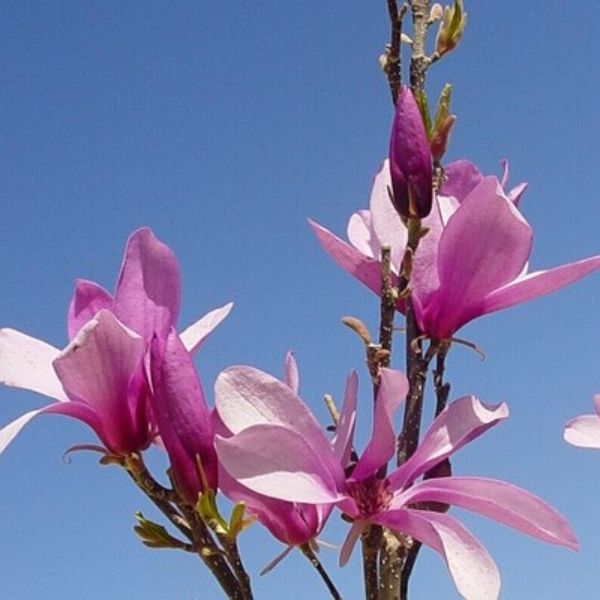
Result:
{"points": [[224, 126]]}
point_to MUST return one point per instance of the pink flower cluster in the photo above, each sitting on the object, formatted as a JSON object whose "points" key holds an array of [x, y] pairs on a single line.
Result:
{"points": [[128, 374]]}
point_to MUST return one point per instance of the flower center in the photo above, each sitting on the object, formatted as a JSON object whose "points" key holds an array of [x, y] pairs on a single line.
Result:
{"points": [[372, 496]]}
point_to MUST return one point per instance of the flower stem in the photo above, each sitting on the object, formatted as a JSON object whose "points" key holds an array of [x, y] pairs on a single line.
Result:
{"points": [[314, 561], [371, 542]]}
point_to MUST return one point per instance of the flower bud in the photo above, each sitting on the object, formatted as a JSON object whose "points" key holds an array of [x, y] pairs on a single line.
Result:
{"points": [[410, 159], [451, 28]]}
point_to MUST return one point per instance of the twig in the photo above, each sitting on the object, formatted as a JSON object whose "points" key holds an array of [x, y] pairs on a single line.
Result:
{"points": [[419, 62], [393, 64], [371, 542], [314, 561]]}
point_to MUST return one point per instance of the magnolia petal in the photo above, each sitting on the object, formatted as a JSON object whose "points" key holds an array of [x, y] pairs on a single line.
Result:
{"points": [[461, 178], [516, 193], [278, 462], [473, 570], [366, 270], [387, 225], [290, 522], [458, 424], [362, 236], [245, 396], [149, 289], [292, 376], [194, 336], [344, 433], [392, 391], [584, 431], [88, 299], [26, 362], [350, 542], [74, 410], [9, 432], [499, 243], [539, 283], [500, 501], [181, 414], [97, 368]]}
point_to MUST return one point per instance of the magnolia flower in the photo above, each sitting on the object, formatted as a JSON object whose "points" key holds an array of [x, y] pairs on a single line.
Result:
{"points": [[280, 451], [239, 407], [101, 377], [473, 261], [584, 431], [410, 159]]}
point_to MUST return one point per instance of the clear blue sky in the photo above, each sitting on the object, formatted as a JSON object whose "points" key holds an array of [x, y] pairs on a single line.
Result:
{"points": [[224, 126]]}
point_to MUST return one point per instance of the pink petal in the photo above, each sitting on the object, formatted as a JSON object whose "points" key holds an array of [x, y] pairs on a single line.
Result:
{"points": [[387, 225], [500, 501], [194, 336], [292, 377], [498, 242], [245, 397], [382, 446], [361, 235], [181, 414], [584, 431], [88, 299], [149, 289], [538, 284], [350, 541], [473, 570], [458, 424], [75, 410], [278, 462], [290, 522], [344, 434], [97, 368], [365, 269], [26, 362], [462, 177]]}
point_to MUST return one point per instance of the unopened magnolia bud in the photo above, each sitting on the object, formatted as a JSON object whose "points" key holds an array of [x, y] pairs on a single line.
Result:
{"points": [[440, 138], [410, 160]]}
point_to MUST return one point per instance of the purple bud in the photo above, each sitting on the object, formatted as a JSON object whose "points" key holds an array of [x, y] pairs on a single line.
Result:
{"points": [[410, 159]]}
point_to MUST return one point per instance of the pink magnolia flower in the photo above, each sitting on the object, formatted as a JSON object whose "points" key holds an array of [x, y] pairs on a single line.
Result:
{"points": [[100, 378], [473, 261], [410, 159], [292, 460], [240, 406], [584, 431]]}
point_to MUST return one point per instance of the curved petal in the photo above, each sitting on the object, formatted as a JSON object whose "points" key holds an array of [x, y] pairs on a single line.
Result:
{"points": [[245, 397], [361, 234], [387, 225], [458, 424], [97, 368], [149, 289], [584, 431], [366, 270], [181, 414], [461, 178], [26, 362], [75, 410], [350, 542], [290, 522], [498, 241], [392, 392], [292, 377], [88, 299], [344, 433], [193, 337], [473, 570], [539, 283], [500, 501], [278, 462]]}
